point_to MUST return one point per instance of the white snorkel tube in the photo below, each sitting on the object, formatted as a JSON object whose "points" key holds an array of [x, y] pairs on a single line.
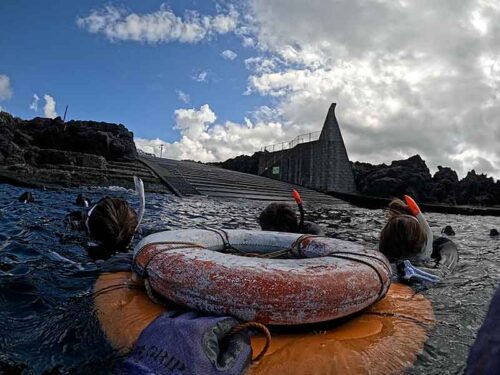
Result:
{"points": [[415, 210], [139, 188]]}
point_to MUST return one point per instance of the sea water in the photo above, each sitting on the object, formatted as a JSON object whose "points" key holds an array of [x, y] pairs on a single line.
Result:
{"points": [[47, 322]]}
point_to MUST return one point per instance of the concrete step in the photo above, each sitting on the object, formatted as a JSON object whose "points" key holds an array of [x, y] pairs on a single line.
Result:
{"points": [[217, 182], [233, 195], [257, 189], [264, 195], [170, 176]]}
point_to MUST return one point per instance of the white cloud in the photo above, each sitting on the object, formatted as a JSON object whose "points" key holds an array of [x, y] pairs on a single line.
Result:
{"points": [[248, 42], [409, 77], [162, 26], [49, 109], [202, 138], [228, 54], [5, 88], [34, 104], [183, 97], [261, 64], [200, 77], [150, 146]]}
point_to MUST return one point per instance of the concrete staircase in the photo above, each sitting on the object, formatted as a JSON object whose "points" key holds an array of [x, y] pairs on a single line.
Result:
{"points": [[217, 182], [122, 174]]}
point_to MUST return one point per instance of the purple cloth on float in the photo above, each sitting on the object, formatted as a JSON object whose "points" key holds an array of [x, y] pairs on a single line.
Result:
{"points": [[187, 343], [484, 356]]}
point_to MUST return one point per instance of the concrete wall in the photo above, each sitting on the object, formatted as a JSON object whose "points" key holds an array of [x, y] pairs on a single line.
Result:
{"points": [[321, 165]]}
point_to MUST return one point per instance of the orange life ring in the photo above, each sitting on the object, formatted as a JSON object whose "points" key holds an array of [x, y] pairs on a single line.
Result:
{"points": [[322, 279], [384, 339]]}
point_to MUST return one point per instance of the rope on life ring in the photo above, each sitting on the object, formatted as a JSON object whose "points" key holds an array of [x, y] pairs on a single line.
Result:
{"points": [[195, 248], [228, 248], [253, 326]]}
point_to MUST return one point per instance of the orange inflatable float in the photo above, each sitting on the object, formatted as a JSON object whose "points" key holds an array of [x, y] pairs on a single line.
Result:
{"points": [[383, 339]]}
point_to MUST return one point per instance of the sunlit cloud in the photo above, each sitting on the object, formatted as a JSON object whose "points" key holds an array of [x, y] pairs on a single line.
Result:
{"points": [[161, 26], [49, 109]]}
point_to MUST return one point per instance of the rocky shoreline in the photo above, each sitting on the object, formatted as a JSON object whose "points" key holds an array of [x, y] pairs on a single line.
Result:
{"points": [[51, 153], [410, 176]]}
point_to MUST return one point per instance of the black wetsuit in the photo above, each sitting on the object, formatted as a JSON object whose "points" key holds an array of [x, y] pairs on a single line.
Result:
{"points": [[484, 356], [444, 256]]}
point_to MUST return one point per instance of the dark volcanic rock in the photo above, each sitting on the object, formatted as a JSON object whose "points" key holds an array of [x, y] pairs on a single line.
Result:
{"points": [[409, 176], [242, 163], [114, 142], [445, 185], [111, 141], [412, 177], [51, 152], [478, 189]]}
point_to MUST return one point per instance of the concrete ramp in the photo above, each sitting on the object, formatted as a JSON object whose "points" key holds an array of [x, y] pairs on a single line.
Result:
{"points": [[222, 183]]}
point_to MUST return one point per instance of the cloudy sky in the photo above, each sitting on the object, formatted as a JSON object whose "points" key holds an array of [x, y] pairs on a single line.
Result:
{"points": [[214, 79]]}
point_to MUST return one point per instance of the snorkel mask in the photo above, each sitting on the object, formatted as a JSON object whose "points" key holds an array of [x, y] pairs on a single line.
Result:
{"points": [[408, 272]]}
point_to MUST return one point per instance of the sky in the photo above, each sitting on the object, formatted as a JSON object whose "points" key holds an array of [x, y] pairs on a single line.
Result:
{"points": [[211, 80]]}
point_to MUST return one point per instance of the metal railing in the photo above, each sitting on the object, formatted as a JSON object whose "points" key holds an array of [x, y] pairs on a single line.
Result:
{"points": [[302, 138]]}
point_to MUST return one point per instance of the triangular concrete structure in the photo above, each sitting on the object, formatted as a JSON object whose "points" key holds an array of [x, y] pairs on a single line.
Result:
{"points": [[321, 165], [331, 130], [338, 175]]}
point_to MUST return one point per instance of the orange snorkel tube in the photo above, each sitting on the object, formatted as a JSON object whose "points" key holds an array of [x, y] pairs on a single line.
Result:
{"points": [[297, 197], [415, 210], [298, 200]]}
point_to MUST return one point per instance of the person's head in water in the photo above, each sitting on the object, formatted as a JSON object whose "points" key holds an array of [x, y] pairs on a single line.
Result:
{"points": [[26, 197], [82, 201], [279, 217], [402, 236], [112, 222]]}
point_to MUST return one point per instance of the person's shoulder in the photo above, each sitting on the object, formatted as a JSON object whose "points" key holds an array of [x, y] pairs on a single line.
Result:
{"points": [[440, 241]]}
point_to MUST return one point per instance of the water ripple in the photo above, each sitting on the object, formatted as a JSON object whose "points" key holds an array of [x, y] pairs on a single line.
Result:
{"points": [[48, 323]]}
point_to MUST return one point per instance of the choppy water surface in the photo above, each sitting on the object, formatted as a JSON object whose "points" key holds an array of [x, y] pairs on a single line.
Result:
{"points": [[47, 323]]}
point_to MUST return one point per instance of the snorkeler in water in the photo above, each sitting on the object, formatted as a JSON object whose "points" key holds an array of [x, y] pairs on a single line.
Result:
{"points": [[281, 217], [82, 201], [110, 224], [407, 241], [26, 197]]}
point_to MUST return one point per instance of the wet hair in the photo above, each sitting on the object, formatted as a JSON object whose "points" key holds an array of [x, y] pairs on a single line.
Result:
{"points": [[112, 222], [279, 217], [402, 236]]}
